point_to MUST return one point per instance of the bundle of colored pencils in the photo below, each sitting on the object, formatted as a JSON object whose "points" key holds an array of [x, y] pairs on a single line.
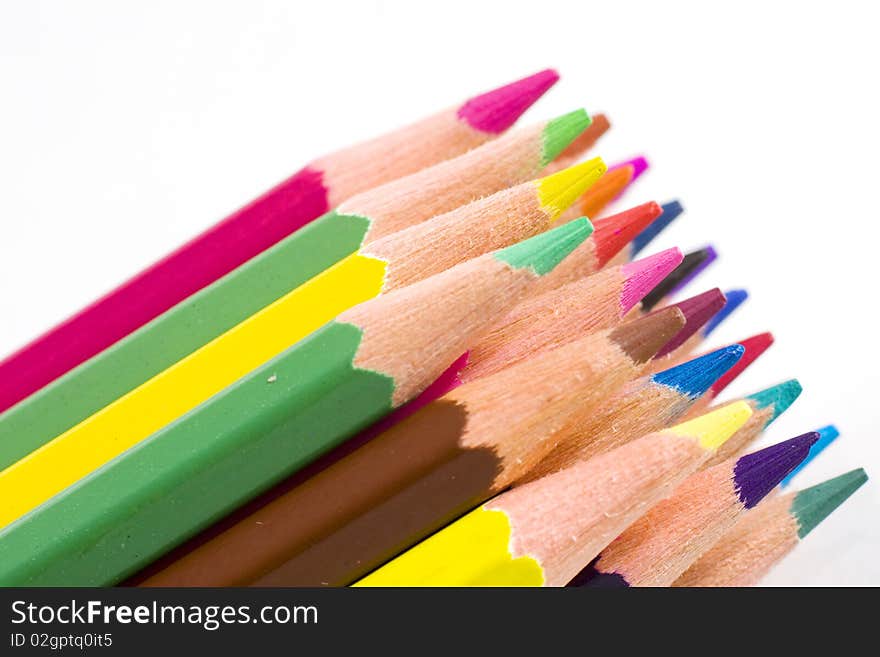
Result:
{"points": [[438, 357]]}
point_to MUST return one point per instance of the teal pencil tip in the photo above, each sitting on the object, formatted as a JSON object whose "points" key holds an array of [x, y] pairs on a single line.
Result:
{"points": [[827, 435], [778, 398], [812, 505], [561, 131], [543, 252]]}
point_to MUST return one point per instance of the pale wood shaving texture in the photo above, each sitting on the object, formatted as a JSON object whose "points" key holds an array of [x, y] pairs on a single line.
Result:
{"points": [[495, 166], [489, 224], [662, 544], [413, 334], [535, 398], [749, 550], [550, 320], [404, 151], [567, 518]]}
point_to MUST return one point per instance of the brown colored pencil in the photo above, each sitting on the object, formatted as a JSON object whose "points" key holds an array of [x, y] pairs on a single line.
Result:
{"points": [[411, 480]]}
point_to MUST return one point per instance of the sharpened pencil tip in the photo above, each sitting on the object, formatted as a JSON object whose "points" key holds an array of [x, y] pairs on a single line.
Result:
{"points": [[641, 338], [694, 377], [758, 473], [543, 252], [712, 429], [639, 165], [558, 191], [611, 186], [670, 212], [697, 310], [827, 435], [689, 268], [643, 275], [812, 505], [755, 346], [735, 299], [778, 398], [495, 111], [562, 131], [615, 232]]}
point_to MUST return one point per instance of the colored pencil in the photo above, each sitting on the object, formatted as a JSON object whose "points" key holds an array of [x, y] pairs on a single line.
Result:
{"points": [[540, 534], [169, 395], [529, 338], [583, 143], [765, 535], [698, 309], [827, 435], [492, 222], [312, 191], [754, 346], [663, 543], [693, 263], [643, 406], [611, 235], [767, 405], [268, 277], [671, 211], [735, 298], [270, 423], [573, 310], [609, 188], [406, 483], [686, 349]]}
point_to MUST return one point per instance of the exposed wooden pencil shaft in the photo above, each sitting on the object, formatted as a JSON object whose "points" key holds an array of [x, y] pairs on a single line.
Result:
{"points": [[547, 321], [745, 553]]}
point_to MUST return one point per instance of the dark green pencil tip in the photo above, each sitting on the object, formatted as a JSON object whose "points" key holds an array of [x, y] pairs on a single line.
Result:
{"points": [[812, 505]]}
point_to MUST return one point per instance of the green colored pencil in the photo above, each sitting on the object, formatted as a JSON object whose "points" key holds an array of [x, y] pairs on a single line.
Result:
{"points": [[271, 422]]}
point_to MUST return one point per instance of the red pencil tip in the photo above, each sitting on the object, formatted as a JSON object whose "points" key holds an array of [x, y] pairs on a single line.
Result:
{"points": [[697, 311], [495, 111], [754, 346], [642, 275], [612, 233]]}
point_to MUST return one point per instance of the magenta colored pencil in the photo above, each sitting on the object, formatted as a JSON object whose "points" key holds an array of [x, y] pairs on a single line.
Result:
{"points": [[306, 195]]}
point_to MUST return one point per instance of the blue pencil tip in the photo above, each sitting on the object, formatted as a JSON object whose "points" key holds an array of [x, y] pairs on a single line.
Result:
{"points": [[671, 210], [735, 299], [827, 435], [694, 377], [780, 397]]}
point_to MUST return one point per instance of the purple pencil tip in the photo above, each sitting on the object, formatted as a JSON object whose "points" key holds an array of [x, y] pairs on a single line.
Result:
{"points": [[756, 474]]}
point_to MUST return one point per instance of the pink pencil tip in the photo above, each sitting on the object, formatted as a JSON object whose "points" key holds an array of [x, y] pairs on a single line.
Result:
{"points": [[495, 111], [639, 164], [643, 275]]}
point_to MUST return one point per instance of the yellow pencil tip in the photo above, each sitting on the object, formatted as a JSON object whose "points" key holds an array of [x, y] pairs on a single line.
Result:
{"points": [[712, 429], [559, 190]]}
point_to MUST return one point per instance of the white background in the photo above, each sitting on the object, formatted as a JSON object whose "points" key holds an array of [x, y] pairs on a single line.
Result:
{"points": [[128, 127]]}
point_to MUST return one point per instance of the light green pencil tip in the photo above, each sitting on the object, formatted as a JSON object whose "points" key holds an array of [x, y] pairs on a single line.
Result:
{"points": [[561, 131], [780, 397], [812, 505], [543, 252]]}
